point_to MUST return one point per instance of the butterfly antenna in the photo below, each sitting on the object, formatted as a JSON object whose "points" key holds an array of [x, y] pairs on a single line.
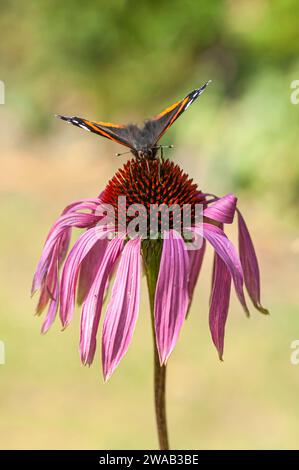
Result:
{"points": [[122, 153], [163, 147]]}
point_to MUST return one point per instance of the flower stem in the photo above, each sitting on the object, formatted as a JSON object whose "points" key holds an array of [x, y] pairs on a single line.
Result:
{"points": [[151, 257], [160, 406]]}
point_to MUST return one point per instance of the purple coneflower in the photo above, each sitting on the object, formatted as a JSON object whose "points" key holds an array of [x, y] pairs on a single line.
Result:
{"points": [[171, 269]]}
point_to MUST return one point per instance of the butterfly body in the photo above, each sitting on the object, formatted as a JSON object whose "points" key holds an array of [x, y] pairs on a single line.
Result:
{"points": [[142, 141]]}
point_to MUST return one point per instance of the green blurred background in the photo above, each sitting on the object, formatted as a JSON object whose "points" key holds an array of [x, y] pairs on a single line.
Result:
{"points": [[125, 61]]}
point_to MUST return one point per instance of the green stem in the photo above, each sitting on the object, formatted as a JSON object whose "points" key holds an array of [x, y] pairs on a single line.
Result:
{"points": [[160, 405], [151, 257]]}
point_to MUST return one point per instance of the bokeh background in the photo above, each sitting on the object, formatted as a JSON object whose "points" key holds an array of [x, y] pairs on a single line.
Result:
{"points": [[123, 61]]}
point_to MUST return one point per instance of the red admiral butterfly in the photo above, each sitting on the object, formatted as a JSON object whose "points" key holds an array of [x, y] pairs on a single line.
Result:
{"points": [[142, 142]]}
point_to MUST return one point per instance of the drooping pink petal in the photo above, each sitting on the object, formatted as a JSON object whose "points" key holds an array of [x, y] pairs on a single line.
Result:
{"points": [[48, 289], [123, 308], [250, 265], [226, 250], [92, 305], [195, 263], [50, 293], [53, 307], [110, 279], [64, 244], [43, 300], [46, 277], [50, 284], [219, 302], [214, 269], [59, 231], [71, 269], [89, 267], [222, 210], [172, 295], [83, 204]]}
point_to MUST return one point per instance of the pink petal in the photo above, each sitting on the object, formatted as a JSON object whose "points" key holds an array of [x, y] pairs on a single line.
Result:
{"points": [[53, 306], [84, 204], [50, 291], [43, 300], [226, 250], [92, 305], [89, 267], [64, 244], [110, 278], [172, 297], [47, 274], [195, 263], [71, 269], [123, 308], [219, 302], [222, 210], [59, 230], [50, 284], [249, 264]]}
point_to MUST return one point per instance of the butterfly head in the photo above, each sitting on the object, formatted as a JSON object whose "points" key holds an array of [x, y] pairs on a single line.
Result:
{"points": [[149, 153]]}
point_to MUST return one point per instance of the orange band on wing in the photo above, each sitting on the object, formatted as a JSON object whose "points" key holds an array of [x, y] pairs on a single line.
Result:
{"points": [[106, 134], [109, 124], [184, 101], [175, 116], [167, 110]]}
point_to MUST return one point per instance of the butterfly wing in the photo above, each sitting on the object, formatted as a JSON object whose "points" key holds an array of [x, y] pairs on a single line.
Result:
{"points": [[160, 123], [116, 132]]}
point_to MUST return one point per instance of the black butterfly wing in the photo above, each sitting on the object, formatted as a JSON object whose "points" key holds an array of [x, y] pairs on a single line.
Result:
{"points": [[116, 132], [157, 126]]}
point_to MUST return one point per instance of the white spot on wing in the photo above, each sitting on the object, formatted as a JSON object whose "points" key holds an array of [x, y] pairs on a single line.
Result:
{"points": [[84, 127], [188, 104]]}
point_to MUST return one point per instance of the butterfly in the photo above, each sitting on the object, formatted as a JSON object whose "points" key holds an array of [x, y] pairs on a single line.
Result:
{"points": [[142, 141]]}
